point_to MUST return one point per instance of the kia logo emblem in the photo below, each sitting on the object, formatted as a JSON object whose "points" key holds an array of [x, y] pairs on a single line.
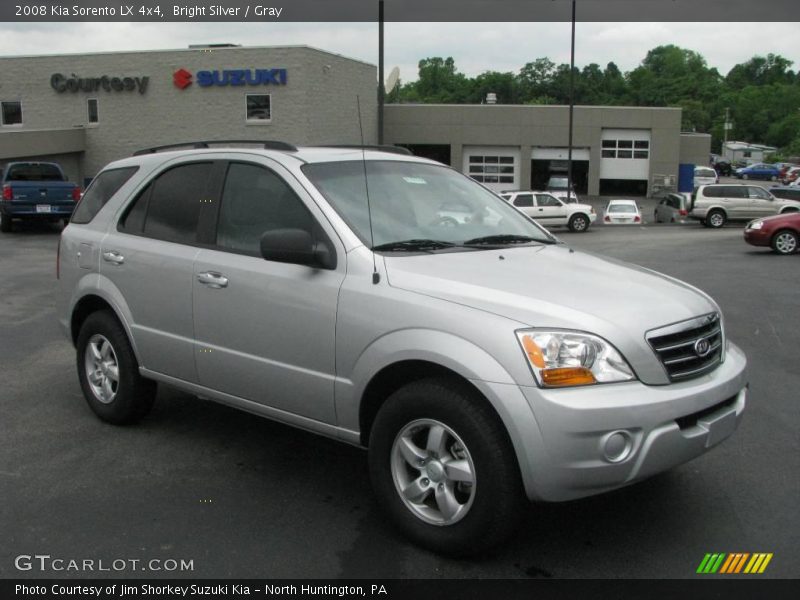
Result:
{"points": [[702, 347], [182, 79]]}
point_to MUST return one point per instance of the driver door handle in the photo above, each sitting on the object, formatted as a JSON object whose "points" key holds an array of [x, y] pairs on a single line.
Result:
{"points": [[113, 256], [213, 279]]}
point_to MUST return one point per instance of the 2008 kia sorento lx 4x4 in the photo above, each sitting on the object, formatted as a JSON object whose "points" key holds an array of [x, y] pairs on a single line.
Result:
{"points": [[479, 363]]}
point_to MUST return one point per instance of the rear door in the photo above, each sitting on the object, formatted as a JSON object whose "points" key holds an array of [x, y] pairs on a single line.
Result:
{"points": [[524, 202], [149, 259], [266, 330]]}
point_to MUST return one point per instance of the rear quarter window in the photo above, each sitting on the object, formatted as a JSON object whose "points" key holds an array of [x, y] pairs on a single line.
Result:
{"points": [[100, 191]]}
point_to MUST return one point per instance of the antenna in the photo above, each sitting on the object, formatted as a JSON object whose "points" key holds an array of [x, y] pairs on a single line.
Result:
{"points": [[375, 275]]}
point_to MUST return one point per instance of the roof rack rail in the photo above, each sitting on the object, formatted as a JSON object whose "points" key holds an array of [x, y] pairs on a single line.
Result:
{"points": [[380, 147], [266, 144]]}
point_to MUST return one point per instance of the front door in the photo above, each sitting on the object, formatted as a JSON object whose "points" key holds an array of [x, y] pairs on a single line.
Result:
{"points": [[265, 330]]}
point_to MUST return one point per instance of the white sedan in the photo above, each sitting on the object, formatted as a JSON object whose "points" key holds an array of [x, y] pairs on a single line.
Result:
{"points": [[622, 212]]}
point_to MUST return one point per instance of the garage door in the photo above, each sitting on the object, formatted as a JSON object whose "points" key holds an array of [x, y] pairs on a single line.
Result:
{"points": [[496, 167], [555, 153], [625, 154]]}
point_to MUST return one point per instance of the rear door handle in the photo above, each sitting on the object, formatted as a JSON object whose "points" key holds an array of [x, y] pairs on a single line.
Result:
{"points": [[213, 279], [113, 257]]}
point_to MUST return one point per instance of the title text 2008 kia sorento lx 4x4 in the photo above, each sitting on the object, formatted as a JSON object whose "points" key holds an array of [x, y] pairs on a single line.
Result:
{"points": [[479, 363]]}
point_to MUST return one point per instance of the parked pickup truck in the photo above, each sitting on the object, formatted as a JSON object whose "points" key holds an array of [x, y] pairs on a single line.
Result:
{"points": [[36, 190]]}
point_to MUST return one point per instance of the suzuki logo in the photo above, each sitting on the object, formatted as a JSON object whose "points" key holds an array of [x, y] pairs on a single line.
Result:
{"points": [[182, 79], [702, 347]]}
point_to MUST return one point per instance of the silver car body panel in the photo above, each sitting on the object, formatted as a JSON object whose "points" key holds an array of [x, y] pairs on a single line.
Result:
{"points": [[301, 345]]}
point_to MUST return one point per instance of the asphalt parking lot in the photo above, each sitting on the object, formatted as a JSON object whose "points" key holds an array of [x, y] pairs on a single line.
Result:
{"points": [[245, 497]]}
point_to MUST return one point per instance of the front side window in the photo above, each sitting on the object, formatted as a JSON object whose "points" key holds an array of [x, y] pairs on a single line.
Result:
{"points": [[547, 200], [408, 200], [258, 108], [169, 208], [760, 193], [256, 200], [11, 113]]}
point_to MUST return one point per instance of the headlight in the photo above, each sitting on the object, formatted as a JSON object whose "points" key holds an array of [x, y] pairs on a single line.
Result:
{"points": [[755, 225], [570, 358]]}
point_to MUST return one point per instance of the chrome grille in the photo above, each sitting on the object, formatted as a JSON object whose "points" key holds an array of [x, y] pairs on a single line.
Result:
{"points": [[690, 348]]}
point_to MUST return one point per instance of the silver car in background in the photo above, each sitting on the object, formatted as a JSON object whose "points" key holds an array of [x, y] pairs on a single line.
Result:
{"points": [[673, 208], [479, 361], [715, 205]]}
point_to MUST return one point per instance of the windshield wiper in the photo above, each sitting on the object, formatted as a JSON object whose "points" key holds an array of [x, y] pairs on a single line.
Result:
{"points": [[503, 239], [416, 245]]}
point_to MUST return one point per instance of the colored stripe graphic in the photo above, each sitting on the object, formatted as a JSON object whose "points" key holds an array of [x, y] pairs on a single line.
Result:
{"points": [[734, 562]]}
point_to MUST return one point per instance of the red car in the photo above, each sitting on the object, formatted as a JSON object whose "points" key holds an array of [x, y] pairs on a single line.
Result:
{"points": [[781, 232]]}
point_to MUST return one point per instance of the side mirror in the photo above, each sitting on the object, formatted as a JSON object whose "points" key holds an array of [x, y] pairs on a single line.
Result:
{"points": [[297, 246]]}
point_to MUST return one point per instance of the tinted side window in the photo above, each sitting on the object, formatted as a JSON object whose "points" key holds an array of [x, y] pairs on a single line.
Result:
{"points": [[99, 192], [172, 207], [256, 200], [713, 192], [524, 200], [757, 192], [788, 194], [734, 191]]}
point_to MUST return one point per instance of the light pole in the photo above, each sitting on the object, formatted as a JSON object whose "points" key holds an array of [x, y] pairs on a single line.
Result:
{"points": [[571, 103]]}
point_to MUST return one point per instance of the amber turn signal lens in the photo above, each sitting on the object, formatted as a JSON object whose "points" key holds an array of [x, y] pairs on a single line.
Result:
{"points": [[567, 376], [534, 352]]}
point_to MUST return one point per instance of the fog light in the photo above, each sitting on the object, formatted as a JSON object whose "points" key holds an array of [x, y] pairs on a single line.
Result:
{"points": [[617, 446]]}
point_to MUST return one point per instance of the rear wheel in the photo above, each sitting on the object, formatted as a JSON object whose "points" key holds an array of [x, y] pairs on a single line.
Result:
{"points": [[785, 242], [745, 176], [109, 372], [716, 219], [443, 468], [579, 223]]}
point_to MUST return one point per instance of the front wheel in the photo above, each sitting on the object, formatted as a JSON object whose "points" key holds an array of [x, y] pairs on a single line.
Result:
{"points": [[578, 223], [109, 372], [785, 242], [745, 176], [444, 469]]}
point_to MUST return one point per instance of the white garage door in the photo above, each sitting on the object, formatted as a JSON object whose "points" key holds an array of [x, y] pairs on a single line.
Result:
{"points": [[496, 167], [625, 154], [555, 153]]}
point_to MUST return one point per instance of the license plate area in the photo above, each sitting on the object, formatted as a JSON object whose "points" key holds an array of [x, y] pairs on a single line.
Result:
{"points": [[719, 427], [43, 208]]}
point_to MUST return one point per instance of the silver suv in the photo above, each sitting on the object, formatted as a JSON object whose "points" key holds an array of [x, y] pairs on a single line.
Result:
{"points": [[480, 361], [714, 205]]}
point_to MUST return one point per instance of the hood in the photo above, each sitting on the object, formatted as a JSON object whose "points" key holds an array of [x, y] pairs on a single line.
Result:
{"points": [[557, 287]]}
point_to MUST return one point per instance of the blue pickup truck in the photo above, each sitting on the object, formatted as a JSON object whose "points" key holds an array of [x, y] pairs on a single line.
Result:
{"points": [[35, 190]]}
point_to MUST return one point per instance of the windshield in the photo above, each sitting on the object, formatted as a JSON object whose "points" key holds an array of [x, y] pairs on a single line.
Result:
{"points": [[420, 203]]}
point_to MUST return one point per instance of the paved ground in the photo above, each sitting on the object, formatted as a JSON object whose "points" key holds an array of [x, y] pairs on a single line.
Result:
{"points": [[245, 497]]}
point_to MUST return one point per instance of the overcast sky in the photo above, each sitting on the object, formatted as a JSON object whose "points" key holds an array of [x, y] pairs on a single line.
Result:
{"points": [[476, 47]]}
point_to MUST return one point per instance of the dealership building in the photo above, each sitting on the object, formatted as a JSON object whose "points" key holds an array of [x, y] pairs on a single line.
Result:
{"points": [[85, 110]]}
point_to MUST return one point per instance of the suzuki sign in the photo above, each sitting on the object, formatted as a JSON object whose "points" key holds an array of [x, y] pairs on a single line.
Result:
{"points": [[230, 77]]}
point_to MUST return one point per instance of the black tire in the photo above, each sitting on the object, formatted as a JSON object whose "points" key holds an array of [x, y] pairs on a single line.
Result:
{"points": [[5, 223], [773, 178], [579, 223], [785, 242], [716, 219], [133, 395], [703, 223], [491, 508]]}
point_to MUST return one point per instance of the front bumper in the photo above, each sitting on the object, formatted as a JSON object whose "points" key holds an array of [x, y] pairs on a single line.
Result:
{"points": [[584, 441], [757, 237]]}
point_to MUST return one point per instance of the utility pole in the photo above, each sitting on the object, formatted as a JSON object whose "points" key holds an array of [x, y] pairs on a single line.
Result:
{"points": [[571, 103], [381, 89]]}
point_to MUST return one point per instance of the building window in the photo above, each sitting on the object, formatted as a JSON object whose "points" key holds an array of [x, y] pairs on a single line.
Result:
{"points": [[12, 113], [623, 149], [259, 109], [747, 153], [492, 169], [94, 111]]}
